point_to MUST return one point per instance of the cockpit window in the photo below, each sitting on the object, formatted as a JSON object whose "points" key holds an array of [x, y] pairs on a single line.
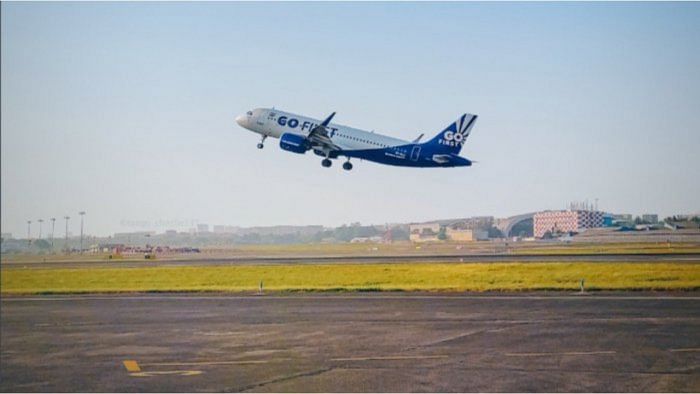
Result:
{"points": [[249, 113]]}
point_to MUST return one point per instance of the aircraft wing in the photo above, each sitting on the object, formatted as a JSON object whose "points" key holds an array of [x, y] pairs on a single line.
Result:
{"points": [[319, 137]]}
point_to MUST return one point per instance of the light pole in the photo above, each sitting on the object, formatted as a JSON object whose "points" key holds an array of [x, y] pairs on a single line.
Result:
{"points": [[82, 214], [40, 222], [53, 227], [67, 218], [29, 232]]}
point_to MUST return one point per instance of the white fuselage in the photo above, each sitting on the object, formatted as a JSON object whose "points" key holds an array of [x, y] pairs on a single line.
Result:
{"points": [[274, 123]]}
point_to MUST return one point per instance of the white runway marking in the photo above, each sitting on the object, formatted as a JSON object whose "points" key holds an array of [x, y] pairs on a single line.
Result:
{"points": [[371, 358], [561, 354], [156, 373], [697, 349]]}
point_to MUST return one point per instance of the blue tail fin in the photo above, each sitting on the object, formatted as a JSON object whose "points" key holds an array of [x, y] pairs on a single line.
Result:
{"points": [[452, 138]]}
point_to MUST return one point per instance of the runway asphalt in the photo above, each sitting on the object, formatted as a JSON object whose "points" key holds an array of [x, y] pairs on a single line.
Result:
{"points": [[352, 342], [366, 259]]}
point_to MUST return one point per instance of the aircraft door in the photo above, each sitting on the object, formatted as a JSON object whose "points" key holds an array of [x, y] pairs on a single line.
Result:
{"points": [[415, 153], [260, 119]]}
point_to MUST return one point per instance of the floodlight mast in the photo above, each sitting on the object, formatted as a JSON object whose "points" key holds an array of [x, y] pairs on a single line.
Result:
{"points": [[66, 246], [53, 228], [82, 215]]}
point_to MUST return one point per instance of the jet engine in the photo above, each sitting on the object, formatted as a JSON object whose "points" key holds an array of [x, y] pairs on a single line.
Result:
{"points": [[294, 143]]}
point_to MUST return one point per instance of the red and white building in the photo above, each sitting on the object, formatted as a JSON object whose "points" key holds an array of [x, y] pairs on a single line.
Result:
{"points": [[565, 221]]}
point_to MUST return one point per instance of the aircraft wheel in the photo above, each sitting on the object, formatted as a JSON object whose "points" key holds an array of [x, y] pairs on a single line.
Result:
{"points": [[347, 166], [260, 145], [326, 163]]}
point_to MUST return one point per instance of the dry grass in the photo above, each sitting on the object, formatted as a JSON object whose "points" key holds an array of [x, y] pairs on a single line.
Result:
{"points": [[359, 277], [611, 248]]}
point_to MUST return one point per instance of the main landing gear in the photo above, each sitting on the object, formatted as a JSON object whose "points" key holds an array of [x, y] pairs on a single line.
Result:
{"points": [[261, 144], [347, 166]]}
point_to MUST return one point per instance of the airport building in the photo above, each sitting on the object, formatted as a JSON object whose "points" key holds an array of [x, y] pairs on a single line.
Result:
{"points": [[466, 235], [565, 221], [430, 232], [224, 229], [424, 232]]}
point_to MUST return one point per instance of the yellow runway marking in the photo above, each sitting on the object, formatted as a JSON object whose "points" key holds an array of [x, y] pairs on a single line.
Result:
{"points": [[135, 370], [154, 373], [132, 366], [387, 358], [697, 349], [560, 354]]}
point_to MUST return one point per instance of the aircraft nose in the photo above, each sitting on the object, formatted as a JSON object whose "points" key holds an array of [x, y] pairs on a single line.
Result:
{"points": [[240, 119]]}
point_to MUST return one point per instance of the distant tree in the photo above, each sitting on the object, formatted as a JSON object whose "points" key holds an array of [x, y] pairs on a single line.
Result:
{"points": [[321, 235], [495, 233], [343, 233], [253, 238], [399, 234], [442, 234], [346, 233], [42, 245]]}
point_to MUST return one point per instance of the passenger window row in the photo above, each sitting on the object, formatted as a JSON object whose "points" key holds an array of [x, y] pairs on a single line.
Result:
{"points": [[362, 140]]}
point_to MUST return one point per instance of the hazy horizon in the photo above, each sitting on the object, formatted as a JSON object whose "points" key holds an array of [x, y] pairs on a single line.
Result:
{"points": [[126, 110]]}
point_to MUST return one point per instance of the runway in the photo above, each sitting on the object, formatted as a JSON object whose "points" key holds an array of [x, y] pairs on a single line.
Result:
{"points": [[352, 342], [366, 259]]}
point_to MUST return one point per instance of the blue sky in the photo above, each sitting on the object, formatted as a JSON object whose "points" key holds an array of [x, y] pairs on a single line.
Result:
{"points": [[126, 110]]}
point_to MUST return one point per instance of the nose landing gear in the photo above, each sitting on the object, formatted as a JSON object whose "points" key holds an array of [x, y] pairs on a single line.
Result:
{"points": [[261, 144]]}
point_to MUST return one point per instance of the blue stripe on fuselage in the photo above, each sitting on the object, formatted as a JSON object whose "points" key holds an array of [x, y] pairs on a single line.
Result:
{"points": [[401, 156]]}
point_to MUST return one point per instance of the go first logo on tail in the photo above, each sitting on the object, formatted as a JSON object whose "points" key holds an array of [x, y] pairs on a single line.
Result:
{"points": [[457, 133]]}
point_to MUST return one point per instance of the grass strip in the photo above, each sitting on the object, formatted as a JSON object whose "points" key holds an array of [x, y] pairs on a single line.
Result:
{"points": [[357, 277]]}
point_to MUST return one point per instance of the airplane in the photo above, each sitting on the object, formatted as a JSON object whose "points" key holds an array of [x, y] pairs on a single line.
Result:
{"points": [[299, 134]]}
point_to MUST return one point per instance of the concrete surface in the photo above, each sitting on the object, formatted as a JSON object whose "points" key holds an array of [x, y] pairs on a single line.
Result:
{"points": [[691, 258], [352, 342]]}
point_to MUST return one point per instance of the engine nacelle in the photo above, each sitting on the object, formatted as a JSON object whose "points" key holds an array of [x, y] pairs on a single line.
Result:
{"points": [[294, 143]]}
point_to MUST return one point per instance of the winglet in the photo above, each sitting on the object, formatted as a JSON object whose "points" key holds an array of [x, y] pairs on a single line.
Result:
{"points": [[328, 120]]}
